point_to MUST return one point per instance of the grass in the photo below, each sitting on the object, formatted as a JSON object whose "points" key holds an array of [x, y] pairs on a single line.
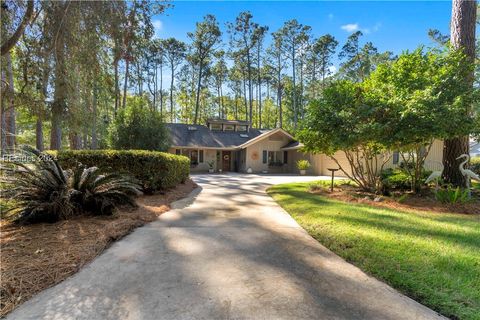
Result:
{"points": [[433, 258]]}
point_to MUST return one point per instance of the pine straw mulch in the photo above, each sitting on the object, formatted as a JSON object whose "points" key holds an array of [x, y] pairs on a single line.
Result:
{"points": [[35, 257], [425, 201]]}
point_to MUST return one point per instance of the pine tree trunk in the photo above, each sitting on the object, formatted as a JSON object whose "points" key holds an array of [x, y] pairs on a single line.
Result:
{"points": [[94, 120], [171, 94], [197, 100], [60, 93], [10, 112], [462, 36], [125, 84], [39, 134]]}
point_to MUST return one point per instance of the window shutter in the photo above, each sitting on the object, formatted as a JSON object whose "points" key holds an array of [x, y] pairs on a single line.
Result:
{"points": [[201, 156], [396, 157], [265, 155], [285, 156]]}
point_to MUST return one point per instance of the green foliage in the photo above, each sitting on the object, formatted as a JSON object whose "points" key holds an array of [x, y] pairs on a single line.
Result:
{"points": [[326, 184], [452, 195], [395, 179], [43, 192], [303, 164], [400, 179], [422, 97], [341, 120], [138, 127], [154, 170]]}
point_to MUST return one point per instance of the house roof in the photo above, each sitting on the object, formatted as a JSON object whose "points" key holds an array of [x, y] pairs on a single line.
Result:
{"points": [[292, 145], [224, 121], [188, 135]]}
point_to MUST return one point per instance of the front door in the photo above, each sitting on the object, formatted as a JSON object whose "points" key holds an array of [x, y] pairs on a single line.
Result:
{"points": [[226, 160]]}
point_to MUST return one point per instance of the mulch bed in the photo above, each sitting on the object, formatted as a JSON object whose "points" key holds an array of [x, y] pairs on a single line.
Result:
{"points": [[424, 201], [35, 257]]}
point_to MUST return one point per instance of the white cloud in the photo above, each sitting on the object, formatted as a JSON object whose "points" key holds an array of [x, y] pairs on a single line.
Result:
{"points": [[332, 69], [330, 16], [158, 27], [351, 27]]}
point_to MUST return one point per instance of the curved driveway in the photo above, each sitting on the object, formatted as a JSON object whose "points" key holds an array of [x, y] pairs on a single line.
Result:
{"points": [[227, 252]]}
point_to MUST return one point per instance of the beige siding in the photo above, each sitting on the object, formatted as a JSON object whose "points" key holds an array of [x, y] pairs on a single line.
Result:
{"points": [[432, 162], [254, 152]]}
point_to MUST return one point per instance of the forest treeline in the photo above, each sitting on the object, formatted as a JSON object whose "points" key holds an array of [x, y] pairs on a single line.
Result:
{"points": [[77, 64]]}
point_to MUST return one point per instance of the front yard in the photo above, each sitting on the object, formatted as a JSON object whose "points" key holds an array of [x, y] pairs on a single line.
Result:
{"points": [[433, 258]]}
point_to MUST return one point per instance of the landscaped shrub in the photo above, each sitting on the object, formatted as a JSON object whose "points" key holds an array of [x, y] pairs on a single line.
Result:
{"points": [[398, 179], [41, 191], [452, 195], [154, 170]]}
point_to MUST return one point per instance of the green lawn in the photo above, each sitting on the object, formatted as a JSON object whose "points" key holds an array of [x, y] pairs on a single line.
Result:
{"points": [[433, 258]]}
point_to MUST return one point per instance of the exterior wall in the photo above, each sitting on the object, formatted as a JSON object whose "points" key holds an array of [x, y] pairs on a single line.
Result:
{"points": [[434, 159], [254, 153], [208, 155]]}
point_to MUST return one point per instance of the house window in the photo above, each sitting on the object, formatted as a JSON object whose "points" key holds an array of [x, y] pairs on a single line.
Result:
{"points": [[271, 157], [194, 157], [216, 127], [396, 157], [285, 156], [178, 152], [229, 127], [242, 128], [264, 159], [200, 157]]}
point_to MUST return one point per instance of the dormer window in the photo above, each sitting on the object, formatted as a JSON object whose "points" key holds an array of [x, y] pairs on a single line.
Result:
{"points": [[241, 128], [228, 127], [216, 127]]}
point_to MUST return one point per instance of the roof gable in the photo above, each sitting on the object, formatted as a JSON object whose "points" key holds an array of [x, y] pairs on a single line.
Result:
{"points": [[200, 136]]}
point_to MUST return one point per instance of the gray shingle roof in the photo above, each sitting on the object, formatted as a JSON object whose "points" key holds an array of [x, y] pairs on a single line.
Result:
{"points": [[181, 136]]}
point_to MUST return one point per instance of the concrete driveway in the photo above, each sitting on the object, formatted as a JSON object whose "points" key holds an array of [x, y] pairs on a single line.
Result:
{"points": [[227, 252]]}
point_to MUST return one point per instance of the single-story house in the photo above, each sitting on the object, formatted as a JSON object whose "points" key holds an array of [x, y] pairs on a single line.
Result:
{"points": [[233, 145]]}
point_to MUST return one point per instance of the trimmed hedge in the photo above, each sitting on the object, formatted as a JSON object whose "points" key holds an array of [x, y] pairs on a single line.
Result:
{"points": [[154, 170]]}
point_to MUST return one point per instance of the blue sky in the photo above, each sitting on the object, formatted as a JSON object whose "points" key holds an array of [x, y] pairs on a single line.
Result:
{"points": [[389, 25]]}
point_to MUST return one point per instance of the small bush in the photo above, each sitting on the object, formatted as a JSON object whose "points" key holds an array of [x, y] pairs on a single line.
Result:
{"points": [[43, 192], [303, 164], [452, 195], [398, 179], [154, 170], [395, 179]]}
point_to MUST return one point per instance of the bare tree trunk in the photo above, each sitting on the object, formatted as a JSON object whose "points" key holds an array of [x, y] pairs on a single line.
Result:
{"points": [[294, 91], [10, 112], [259, 87], [3, 124], [125, 84], [464, 14], [197, 100], [94, 124], [117, 88], [172, 116], [39, 134], [250, 94], [161, 90], [60, 94]]}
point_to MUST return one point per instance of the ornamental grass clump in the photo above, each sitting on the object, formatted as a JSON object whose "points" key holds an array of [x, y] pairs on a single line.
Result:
{"points": [[41, 191]]}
